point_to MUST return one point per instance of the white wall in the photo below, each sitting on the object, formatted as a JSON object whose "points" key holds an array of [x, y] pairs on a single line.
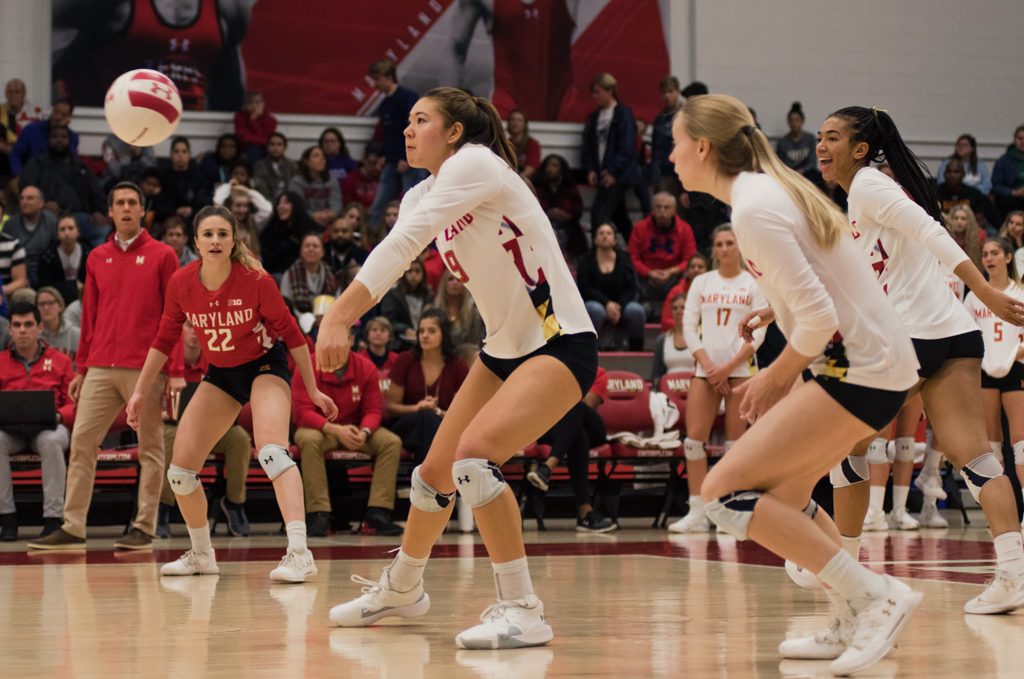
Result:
{"points": [[25, 46]]}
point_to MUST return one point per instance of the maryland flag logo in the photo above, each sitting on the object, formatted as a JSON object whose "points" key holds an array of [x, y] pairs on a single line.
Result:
{"points": [[541, 298], [836, 362]]}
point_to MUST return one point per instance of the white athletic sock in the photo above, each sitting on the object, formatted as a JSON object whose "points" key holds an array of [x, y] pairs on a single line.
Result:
{"points": [[997, 448], [200, 539], [877, 500], [296, 535], [899, 497], [512, 580], [406, 571], [1018, 452], [851, 545], [696, 504], [1010, 553], [932, 460], [852, 581]]}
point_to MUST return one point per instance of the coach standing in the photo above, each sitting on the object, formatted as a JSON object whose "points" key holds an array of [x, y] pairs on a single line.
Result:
{"points": [[125, 281]]}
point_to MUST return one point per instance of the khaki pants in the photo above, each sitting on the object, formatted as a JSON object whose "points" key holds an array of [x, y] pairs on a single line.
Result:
{"points": [[104, 392], [383, 446], [237, 451]]}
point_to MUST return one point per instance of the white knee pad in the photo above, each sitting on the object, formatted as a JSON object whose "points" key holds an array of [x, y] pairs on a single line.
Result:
{"points": [[852, 470], [275, 460], [1018, 452], [733, 512], [906, 446], [693, 450], [980, 471], [478, 481], [811, 509], [425, 497], [183, 481], [877, 453]]}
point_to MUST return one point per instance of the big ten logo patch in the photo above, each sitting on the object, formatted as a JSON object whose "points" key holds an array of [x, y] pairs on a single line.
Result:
{"points": [[631, 386], [679, 385]]}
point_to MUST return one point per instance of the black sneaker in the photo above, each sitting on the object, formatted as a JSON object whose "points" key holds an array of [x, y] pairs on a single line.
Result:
{"points": [[378, 522], [539, 476], [50, 525], [163, 521], [238, 522], [318, 524], [595, 522], [8, 527]]}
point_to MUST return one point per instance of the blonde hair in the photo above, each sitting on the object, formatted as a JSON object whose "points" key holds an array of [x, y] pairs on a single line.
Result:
{"points": [[465, 313], [240, 252], [1004, 231], [971, 243], [725, 122]]}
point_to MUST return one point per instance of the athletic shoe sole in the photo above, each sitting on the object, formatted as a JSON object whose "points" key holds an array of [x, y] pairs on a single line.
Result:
{"points": [[293, 579], [1005, 607], [413, 610], [538, 635]]}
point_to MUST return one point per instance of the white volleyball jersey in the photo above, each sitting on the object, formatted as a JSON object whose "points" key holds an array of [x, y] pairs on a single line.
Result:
{"points": [[1001, 339], [910, 252], [714, 308], [493, 236], [956, 286], [826, 301]]}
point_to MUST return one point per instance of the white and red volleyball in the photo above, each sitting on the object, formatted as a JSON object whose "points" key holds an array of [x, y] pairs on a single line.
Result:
{"points": [[143, 107]]}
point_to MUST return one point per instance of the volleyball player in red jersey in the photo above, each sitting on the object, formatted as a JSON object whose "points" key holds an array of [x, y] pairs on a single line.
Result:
{"points": [[238, 314]]}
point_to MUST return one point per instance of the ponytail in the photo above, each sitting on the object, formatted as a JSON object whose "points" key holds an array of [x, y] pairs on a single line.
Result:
{"points": [[480, 121], [876, 128], [240, 252]]}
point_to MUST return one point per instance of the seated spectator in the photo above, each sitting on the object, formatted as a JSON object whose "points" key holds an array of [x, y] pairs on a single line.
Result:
{"points": [[1008, 175], [249, 207], [15, 113], [181, 180], [158, 206], [954, 191], [320, 193], [309, 276], [527, 148], [976, 174], [124, 162], [660, 246], [30, 365], [68, 185], [697, 265], [375, 232], [663, 173], [13, 270], [454, 300], [1013, 231], [355, 389], [63, 265], [561, 200], [339, 161], [403, 305], [279, 241], [216, 165], [361, 184], [272, 173], [670, 350], [377, 334], [423, 384], [966, 232], [608, 285], [796, 149], [176, 235], [34, 138], [344, 253], [56, 332], [34, 227], [254, 125]]}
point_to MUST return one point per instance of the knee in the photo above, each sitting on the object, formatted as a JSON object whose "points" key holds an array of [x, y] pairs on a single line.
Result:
{"points": [[479, 445], [387, 443], [478, 481]]}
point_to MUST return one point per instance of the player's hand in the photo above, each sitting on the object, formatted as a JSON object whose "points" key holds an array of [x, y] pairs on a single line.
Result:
{"points": [[1002, 305], [75, 387], [133, 410], [324, 402], [760, 393], [332, 346], [718, 377], [756, 319]]}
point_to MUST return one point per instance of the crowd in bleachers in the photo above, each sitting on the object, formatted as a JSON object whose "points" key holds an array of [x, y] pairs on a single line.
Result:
{"points": [[313, 221]]}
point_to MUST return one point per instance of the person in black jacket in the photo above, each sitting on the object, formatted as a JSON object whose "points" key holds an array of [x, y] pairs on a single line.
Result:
{"points": [[608, 284], [403, 305], [181, 182], [279, 241], [62, 265]]}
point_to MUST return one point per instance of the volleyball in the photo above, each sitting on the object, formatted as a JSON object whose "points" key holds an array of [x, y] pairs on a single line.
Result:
{"points": [[143, 107]]}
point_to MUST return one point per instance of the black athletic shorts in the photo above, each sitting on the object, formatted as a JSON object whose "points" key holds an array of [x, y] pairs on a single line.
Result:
{"points": [[933, 353], [237, 382], [1011, 381], [874, 407], [578, 352]]}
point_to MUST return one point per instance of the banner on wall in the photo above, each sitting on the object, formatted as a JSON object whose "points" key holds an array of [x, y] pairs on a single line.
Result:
{"points": [[312, 56]]}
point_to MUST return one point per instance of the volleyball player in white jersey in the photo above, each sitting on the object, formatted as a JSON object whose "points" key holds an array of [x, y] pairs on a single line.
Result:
{"points": [[715, 304], [1002, 369], [538, 359], [839, 325]]}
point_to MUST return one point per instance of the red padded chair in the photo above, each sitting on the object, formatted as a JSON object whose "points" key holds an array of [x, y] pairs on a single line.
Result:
{"points": [[627, 406]]}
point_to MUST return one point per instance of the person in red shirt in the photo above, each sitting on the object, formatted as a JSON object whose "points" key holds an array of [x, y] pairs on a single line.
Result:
{"points": [[360, 185], [527, 148], [254, 125], [125, 281], [660, 245], [697, 265], [239, 315], [31, 365], [355, 389]]}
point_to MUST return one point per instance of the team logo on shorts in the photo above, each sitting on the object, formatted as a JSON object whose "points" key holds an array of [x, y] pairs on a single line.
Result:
{"points": [[264, 368]]}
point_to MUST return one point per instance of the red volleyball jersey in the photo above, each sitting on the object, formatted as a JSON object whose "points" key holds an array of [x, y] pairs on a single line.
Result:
{"points": [[237, 323]]}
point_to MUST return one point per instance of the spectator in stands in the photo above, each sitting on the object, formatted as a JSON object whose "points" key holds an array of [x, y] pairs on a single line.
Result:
{"points": [[34, 138], [124, 162], [361, 184], [397, 177], [376, 231], [320, 193], [216, 165], [454, 300], [339, 161], [965, 231], [13, 270], [671, 352], [377, 334], [977, 174], [15, 113], [697, 265], [953, 191], [253, 125], [405, 303], [309, 276], [62, 265], [423, 383], [561, 200], [663, 175], [527, 148], [68, 185], [344, 253], [273, 173], [56, 332], [240, 200], [609, 155], [176, 235], [182, 181], [661, 245], [158, 206], [34, 227], [125, 283], [30, 365], [355, 389], [279, 241], [1013, 231], [608, 283], [796, 149], [1008, 175]]}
